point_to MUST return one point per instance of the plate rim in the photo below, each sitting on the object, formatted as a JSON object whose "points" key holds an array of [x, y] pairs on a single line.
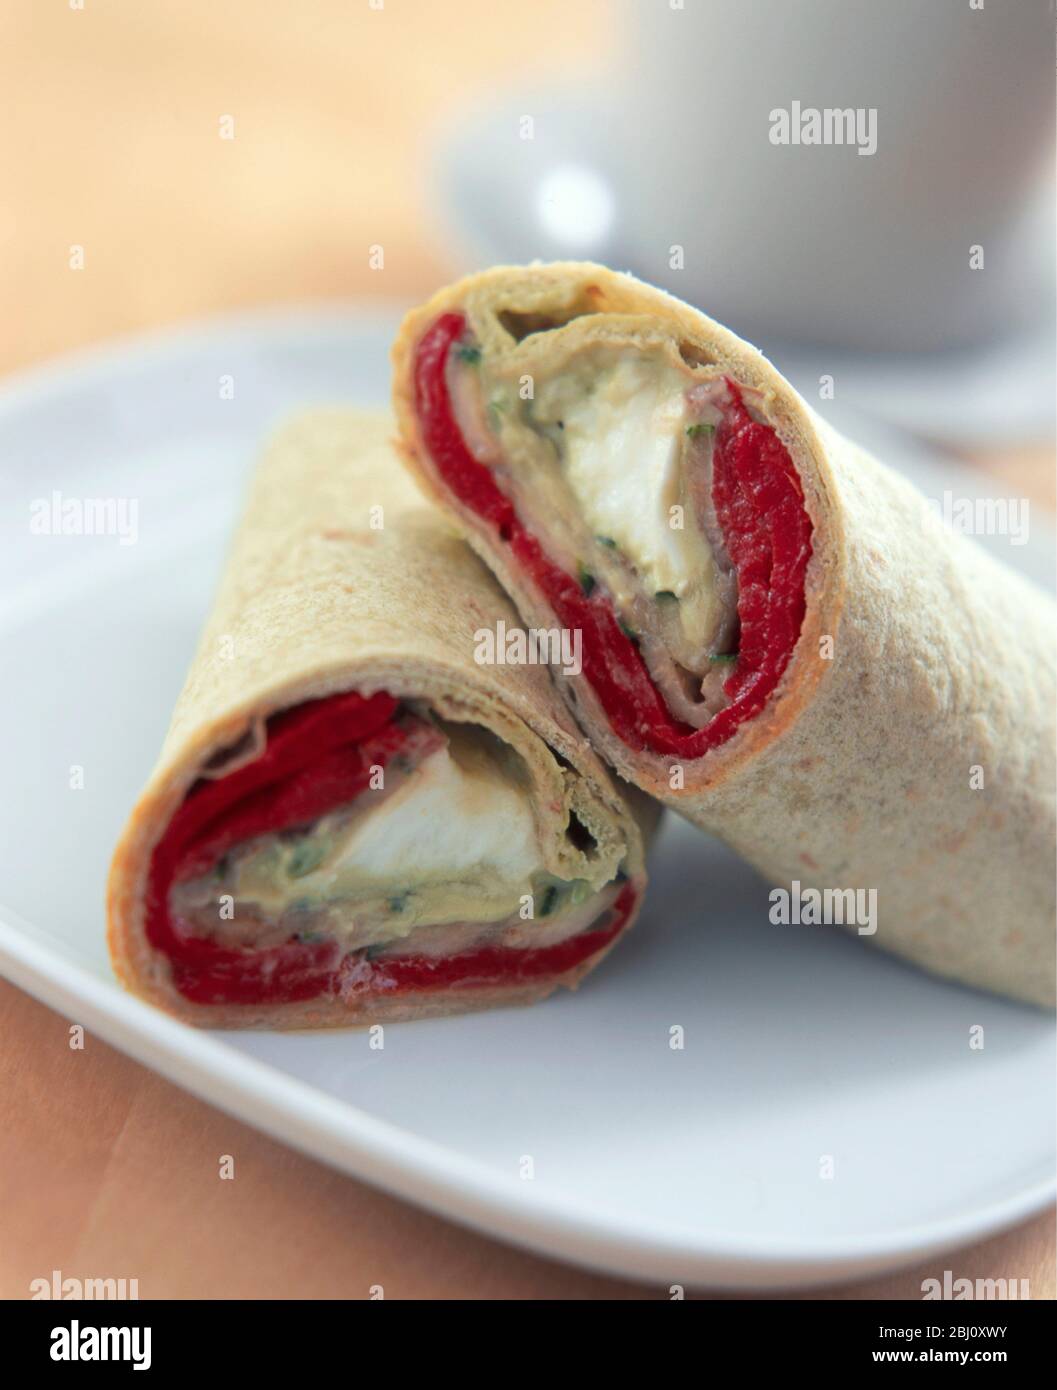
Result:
{"points": [[458, 1188]]}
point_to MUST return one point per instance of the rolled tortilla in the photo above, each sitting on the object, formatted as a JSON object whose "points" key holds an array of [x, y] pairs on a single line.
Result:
{"points": [[778, 639], [351, 820]]}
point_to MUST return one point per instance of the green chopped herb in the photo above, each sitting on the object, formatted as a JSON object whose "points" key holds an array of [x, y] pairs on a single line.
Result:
{"points": [[373, 952], [550, 897], [724, 656], [580, 891], [307, 856], [469, 353], [664, 593], [397, 902], [586, 578], [310, 934], [629, 632], [696, 431], [607, 541]]}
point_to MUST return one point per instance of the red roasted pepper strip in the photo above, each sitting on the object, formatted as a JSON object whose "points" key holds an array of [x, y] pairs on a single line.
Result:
{"points": [[318, 756], [490, 965], [759, 503]]}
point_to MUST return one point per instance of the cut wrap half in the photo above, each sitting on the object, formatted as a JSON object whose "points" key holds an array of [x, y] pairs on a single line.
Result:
{"points": [[351, 820], [778, 639]]}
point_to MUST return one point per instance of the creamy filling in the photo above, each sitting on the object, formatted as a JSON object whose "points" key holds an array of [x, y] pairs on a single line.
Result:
{"points": [[444, 854], [609, 455], [622, 425]]}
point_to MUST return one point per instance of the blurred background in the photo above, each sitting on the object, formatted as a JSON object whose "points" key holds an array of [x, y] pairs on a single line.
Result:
{"points": [[210, 157]]}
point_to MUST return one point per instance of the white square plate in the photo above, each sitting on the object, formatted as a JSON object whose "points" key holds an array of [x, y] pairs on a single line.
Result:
{"points": [[692, 1166]]}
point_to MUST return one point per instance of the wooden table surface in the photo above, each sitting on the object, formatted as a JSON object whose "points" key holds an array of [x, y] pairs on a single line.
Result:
{"points": [[112, 113]]}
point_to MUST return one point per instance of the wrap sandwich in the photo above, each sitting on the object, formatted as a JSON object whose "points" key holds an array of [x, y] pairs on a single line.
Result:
{"points": [[778, 639], [352, 820]]}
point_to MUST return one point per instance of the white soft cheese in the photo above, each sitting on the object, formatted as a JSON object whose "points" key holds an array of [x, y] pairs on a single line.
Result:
{"points": [[622, 436], [456, 818], [455, 840]]}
